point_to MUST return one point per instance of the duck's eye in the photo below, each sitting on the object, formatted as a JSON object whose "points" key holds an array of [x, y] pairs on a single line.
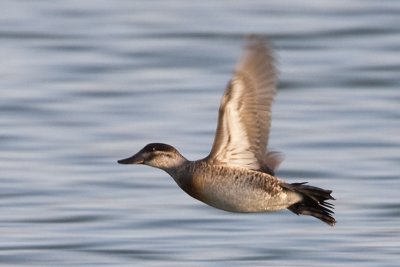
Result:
{"points": [[154, 149]]}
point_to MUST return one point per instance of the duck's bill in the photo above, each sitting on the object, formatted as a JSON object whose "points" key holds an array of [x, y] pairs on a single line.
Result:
{"points": [[135, 159]]}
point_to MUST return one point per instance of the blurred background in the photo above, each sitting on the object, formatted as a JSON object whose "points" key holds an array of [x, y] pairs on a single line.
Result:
{"points": [[85, 83]]}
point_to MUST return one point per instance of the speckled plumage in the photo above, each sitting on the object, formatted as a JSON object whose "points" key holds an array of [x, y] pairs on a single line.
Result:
{"points": [[234, 189], [239, 173]]}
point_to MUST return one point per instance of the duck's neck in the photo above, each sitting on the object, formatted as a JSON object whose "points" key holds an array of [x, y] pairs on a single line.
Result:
{"points": [[178, 168], [182, 174]]}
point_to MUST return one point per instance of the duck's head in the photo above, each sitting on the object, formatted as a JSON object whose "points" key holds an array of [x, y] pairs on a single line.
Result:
{"points": [[157, 155]]}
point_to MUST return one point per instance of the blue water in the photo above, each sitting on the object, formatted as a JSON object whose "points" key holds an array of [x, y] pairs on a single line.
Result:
{"points": [[85, 83]]}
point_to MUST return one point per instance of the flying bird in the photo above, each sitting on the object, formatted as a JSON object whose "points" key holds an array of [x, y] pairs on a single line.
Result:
{"points": [[239, 174]]}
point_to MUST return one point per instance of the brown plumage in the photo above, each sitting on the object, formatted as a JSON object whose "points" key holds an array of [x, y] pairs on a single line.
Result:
{"points": [[239, 173]]}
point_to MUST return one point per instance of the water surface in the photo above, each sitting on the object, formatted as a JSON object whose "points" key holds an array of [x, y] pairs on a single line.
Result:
{"points": [[86, 83]]}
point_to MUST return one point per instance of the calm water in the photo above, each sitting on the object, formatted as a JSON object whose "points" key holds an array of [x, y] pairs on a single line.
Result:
{"points": [[84, 83]]}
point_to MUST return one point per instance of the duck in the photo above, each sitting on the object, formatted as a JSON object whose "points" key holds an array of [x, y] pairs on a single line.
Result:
{"points": [[239, 174]]}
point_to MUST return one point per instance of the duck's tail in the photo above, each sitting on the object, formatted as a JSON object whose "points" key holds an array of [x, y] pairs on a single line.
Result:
{"points": [[313, 202]]}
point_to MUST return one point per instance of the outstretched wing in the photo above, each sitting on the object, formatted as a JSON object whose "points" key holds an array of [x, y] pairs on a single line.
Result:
{"points": [[245, 112]]}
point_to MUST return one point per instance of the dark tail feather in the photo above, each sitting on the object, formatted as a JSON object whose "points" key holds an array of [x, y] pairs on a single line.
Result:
{"points": [[313, 203]]}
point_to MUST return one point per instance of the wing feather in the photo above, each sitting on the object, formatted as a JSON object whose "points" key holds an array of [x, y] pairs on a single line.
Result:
{"points": [[245, 111]]}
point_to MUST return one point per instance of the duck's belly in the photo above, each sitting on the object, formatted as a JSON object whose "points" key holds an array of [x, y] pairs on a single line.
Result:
{"points": [[244, 194]]}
